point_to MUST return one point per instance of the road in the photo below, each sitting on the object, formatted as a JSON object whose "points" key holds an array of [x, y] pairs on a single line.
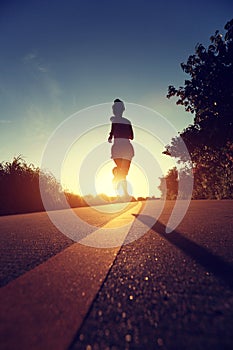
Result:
{"points": [[162, 291]]}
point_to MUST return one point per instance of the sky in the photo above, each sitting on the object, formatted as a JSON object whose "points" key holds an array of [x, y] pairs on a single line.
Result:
{"points": [[59, 57]]}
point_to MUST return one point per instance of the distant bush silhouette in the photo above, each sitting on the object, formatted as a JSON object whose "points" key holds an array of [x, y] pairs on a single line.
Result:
{"points": [[169, 185], [75, 200]]}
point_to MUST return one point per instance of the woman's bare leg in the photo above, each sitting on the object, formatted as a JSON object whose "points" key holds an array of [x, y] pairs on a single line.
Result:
{"points": [[121, 172]]}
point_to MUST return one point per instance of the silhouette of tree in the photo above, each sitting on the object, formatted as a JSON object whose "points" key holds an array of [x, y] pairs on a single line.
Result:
{"points": [[208, 94], [169, 184]]}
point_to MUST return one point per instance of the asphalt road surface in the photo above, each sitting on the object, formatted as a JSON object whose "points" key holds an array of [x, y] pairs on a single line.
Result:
{"points": [[161, 291]]}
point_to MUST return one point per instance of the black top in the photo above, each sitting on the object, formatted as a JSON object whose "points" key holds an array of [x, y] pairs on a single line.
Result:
{"points": [[121, 128]]}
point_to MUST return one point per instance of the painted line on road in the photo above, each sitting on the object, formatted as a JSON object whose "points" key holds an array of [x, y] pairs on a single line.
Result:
{"points": [[44, 308]]}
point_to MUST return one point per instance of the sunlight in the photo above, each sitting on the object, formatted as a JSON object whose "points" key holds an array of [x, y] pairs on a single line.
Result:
{"points": [[137, 180], [87, 167]]}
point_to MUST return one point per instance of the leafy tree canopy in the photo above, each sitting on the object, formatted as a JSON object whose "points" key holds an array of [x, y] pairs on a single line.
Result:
{"points": [[208, 93]]}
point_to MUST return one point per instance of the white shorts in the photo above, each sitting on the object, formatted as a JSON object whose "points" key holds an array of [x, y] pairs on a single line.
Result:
{"points": [[122, 148]]}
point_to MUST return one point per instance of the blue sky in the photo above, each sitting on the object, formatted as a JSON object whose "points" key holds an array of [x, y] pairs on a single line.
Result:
{"points": [[58, 57]]}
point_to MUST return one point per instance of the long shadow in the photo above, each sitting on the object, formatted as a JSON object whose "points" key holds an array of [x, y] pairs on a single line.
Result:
{"points": [[213, 263]]}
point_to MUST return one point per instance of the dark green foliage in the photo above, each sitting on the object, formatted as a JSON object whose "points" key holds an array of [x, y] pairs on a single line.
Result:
{"points": [[213, 175], [208, 93]]}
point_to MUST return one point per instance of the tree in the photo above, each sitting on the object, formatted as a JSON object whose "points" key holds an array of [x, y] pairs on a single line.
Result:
{"points": [[208, 94], [169, 184]]}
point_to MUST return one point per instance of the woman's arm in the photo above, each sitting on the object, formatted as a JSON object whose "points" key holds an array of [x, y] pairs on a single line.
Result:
{"points": [[131, 135], [111, 134]]}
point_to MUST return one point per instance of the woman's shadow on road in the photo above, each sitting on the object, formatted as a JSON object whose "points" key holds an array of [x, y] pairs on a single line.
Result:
{"points": [[213, 263]]}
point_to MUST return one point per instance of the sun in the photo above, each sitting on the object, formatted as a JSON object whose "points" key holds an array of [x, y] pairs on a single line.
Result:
{"points": [[136, 179]]}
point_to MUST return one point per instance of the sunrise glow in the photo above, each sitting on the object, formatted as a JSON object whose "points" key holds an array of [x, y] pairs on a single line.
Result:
{"points": [[137, 180], [86, 165]]}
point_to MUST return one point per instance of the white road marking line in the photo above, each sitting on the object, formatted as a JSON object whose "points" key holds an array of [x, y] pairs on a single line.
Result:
{"points": [[114, 232], [44, 308]]}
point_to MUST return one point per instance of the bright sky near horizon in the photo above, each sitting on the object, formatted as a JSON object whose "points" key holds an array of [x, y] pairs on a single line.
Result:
{"points": [[58, 57]]}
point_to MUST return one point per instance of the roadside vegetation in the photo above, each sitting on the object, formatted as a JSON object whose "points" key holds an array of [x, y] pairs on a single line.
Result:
{"points": [[20, 190], [19, 187], [208, 95]]}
